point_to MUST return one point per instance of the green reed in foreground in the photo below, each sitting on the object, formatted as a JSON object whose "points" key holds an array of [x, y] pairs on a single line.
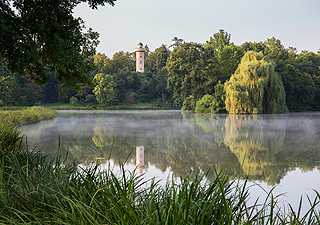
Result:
{"points": [[35, 190], [26, 116]]}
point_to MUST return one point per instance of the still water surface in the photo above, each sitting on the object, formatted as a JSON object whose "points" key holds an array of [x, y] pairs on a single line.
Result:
{"points": [[281, 150]]}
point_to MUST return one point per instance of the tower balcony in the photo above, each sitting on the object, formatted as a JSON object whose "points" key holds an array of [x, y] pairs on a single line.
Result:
{"points": [[140, 50]]}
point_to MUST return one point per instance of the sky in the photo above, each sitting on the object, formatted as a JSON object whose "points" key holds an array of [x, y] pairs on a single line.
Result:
{"points": [[155, 22]]}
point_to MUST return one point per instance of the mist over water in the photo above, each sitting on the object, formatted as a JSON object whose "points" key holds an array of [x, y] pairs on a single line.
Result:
{"points": [[268, 149]]}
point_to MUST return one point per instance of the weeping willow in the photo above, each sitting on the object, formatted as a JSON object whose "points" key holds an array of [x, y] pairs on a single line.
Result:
{"points": [[255, 87]]}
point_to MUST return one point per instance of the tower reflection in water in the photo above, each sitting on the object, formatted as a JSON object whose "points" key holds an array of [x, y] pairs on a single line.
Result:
{"points": [[140, 159]]}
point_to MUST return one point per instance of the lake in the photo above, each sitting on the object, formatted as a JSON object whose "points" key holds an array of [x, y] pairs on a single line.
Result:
{"points": [[271, 150]]}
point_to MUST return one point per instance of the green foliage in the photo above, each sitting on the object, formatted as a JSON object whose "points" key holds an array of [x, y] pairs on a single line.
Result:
{"points": [[26, 116], [218, 105], [170, 78], [37, 36], [212, 103], [188, 103], [157, 60], [218, 41], [229, 59], [300, 89], [104, 89], [91, 99], [74, 100], [204, 105], [9, 90], [255, 87], [275, 50], [309, 64], [191, 70]]}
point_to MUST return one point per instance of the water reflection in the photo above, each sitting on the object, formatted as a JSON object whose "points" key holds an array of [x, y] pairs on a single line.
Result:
{"points": [[261, 147], [140, 159]]}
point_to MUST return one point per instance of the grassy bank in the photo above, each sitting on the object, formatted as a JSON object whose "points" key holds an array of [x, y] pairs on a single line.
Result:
{"points": [[34, 190], [24, 116]]}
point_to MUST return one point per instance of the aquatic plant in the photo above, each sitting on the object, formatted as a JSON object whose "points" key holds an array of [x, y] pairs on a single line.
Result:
{"points": [[26, 116]]}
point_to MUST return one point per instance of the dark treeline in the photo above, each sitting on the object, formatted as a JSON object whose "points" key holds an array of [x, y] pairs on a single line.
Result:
{"points": [[188, 75]]}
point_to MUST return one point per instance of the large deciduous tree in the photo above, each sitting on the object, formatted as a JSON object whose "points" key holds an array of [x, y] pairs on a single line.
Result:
{"points": [[158, 59], [41, 36], [104, 89], [228, 54], [192, 73], [299, 87], [219, 40], [255, 87]]}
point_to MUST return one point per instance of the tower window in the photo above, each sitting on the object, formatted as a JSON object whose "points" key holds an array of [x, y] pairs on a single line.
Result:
{"points": [[140, 62], [140, 56], [140, 68]]}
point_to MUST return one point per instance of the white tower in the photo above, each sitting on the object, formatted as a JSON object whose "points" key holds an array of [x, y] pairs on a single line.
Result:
{"points": [[140, 58]]}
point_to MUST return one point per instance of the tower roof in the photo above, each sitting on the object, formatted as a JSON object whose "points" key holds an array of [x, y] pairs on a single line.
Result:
{"points": [[140, 43]]}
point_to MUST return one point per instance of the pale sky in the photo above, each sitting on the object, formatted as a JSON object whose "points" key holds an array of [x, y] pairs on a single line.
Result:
{"points": [[155, 22]]}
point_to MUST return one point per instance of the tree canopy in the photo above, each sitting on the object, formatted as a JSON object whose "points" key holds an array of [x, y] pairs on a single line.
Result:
{"points": [[255, 87], [192, 73], [43, 36], [58, 49]]}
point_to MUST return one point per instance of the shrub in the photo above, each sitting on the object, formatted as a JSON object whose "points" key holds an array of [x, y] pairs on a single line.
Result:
{"points": [[73, 100], [204, 105], [210, 104], [91, 99]]}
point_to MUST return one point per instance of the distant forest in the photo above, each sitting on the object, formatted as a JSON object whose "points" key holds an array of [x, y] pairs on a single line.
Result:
{"points": [[193, 76]]}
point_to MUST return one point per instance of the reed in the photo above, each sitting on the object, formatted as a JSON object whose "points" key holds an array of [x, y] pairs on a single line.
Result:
{"points": [[26, 116], [36, 190]]}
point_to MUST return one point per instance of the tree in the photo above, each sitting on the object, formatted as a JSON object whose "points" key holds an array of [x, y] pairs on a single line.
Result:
{"points": [[9, 90], [50, 91], [228, 60], [299, 87], [219, 40], [177, 42], [9, 87], [158, 59], [309, 63], [275, 50], [102, 62], [30, 92], [122, 60], [192, 72], [255, 87], [42, 36], [253, 46], [228, 54], [104, 89]]}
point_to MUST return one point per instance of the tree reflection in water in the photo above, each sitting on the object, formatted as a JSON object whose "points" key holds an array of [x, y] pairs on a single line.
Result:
{"points": [[261, 147]]}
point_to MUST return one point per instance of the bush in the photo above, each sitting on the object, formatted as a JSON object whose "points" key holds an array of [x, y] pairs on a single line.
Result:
{"points": [[91, 99], [204, 105], [73, 100], [210, 104]]}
